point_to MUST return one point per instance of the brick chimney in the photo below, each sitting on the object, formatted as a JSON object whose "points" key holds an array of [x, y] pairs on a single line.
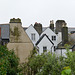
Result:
{"points": [[64, 33], [38, 27], [52, 25], [59, 25]]}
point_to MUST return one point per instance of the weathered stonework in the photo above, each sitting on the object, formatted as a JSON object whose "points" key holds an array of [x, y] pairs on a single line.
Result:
{"points": [[38, 27], [59, 24], [23, 45], [22, 50]]}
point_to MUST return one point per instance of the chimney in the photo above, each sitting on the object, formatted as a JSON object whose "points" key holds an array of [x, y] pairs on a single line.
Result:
{"points": [[64, 33], [52, 25], [59, 25], [38, 27], [14, 29], [15, 20]]}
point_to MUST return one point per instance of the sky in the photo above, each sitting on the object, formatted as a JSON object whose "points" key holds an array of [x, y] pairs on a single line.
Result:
{"points": [[41, 11]]}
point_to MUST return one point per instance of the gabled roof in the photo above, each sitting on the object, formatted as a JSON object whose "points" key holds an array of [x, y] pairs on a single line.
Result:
{"points": [[32, 27], [48, 29], [42, 38]]}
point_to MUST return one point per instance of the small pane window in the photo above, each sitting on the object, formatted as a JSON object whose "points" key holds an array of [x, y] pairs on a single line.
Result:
{"points": [[33, 37], [44, 49], [53, 38]]}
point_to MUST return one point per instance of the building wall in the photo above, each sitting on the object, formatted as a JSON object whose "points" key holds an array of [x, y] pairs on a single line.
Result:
{"points": [[47, 43], [23, 36], [22, 50], [50, 33], [61, 52], [30, 31], [59, 39], [23, 45]]}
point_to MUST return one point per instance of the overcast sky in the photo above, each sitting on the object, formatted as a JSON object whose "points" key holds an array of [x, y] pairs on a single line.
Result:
{"points": [[41, 11]]}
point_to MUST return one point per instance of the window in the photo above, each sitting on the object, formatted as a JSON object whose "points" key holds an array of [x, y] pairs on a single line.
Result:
{"points": [[53, 38], [44, 49], [33, 37]]}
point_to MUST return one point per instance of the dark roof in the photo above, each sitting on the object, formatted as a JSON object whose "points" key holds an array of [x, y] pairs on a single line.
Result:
{"points": [[42, 38], [5, 31], [25, 28]]}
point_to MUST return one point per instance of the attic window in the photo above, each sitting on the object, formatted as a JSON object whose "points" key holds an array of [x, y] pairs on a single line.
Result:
{"points": [[33, 36], [53, 38], [44, 49]]}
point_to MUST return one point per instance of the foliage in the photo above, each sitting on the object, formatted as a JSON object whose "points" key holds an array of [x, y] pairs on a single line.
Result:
{"points": [[70, 60], [66, 71], [15, 33], [50, 64], [8, 62]]}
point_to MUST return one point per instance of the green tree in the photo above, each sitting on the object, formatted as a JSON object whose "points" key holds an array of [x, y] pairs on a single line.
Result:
{"points": [[70, 60], [8, 62], [48, 63]]}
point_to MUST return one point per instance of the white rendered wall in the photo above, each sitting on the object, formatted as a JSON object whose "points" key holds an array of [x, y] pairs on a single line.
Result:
{"points": [[59, 39], [62, 52], [47, 43], [50, 33], [31, 30]]}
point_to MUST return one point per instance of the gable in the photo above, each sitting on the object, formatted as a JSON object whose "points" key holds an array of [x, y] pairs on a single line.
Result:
{"points": [[23, 36], [48, 31], [45, 39], [31, 29]]}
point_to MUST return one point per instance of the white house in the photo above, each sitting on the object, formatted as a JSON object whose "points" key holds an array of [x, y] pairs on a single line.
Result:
{"points": [[33, 34], [44, 44], [59, 39], [51, 35]]}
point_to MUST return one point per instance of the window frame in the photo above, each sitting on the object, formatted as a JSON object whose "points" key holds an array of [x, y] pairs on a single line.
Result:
{"points": [[44, 49], [53, 38], [33, 36]]}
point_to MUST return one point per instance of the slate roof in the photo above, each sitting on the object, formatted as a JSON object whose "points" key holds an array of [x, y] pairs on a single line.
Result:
{"points": [[4, 31], [25, 28], [42, 38]]}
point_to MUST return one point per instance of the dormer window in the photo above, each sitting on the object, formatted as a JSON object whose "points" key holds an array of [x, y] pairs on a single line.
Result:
{"points": [[33, 36], [53, 38]]}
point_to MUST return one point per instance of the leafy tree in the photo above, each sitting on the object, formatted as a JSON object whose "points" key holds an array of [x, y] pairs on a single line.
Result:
{"points": [[66, 71], [49, 64], [70, 60], [8, 62]]}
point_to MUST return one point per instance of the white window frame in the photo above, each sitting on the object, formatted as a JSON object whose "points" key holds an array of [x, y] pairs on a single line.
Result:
{"points": [[33, 36]]}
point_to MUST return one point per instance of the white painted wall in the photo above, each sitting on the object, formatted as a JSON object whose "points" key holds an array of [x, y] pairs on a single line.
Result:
{"points": [[62, 52], [59, 39], [45, 42], [31, 30], [50, 33]]}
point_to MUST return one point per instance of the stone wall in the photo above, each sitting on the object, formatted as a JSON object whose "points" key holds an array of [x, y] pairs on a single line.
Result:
{"points": [[22, 50], [19, 41]]}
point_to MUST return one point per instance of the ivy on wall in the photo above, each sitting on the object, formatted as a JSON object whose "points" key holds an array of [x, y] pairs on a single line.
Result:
{"points": [[15, 33]]}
